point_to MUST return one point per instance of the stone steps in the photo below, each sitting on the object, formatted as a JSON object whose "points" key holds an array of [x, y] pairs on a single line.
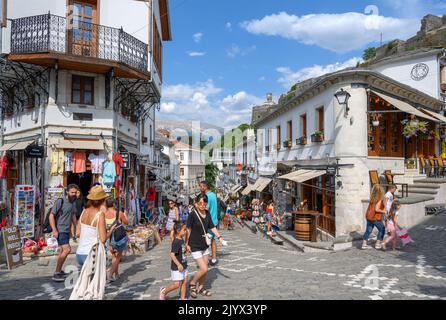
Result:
{"points": [[415, 190], [424, 186]]}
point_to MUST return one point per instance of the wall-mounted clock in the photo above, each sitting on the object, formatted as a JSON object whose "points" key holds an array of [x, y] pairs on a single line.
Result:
{"points": [[419, 71]]}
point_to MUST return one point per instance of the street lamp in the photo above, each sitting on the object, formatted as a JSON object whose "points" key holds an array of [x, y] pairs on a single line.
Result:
{"points": [[343, 96]]}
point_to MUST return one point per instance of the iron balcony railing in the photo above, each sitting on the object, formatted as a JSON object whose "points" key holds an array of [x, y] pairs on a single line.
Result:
{"points": [[51, 33]]}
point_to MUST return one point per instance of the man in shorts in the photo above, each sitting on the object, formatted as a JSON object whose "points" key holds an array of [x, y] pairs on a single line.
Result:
{"points": [[62, 215], [213, 210]]}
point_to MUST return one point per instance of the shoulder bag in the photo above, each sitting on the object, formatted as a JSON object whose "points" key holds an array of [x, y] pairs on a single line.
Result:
{"points": [[206, 236]]}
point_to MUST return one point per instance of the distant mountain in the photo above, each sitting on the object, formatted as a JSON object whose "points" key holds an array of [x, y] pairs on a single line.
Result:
{"points": [[186, 125]]}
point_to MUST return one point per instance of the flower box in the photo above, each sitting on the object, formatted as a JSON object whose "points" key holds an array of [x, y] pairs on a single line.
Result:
{"points": [[287, 144], [302, 141], [317, 137]]}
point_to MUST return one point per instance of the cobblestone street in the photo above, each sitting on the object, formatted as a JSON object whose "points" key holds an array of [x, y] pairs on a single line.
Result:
{"points": [[251, 267]]}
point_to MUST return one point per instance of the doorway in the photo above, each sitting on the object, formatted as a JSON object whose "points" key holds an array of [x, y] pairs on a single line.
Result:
{"points": [[83, 36], [83, 180]]}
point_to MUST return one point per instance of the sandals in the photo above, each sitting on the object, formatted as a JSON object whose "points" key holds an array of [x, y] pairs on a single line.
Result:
{"points": [[193, 290], [205, 293]]}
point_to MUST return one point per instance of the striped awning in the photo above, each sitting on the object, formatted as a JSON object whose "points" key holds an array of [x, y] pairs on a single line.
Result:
{"points": [[80, 144], [300, 176]]}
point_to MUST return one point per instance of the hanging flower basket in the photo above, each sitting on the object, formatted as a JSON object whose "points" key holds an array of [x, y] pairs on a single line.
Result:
{"points": [[375, 119], [414, 128]]}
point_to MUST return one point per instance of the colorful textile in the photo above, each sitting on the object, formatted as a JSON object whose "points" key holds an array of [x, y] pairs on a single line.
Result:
{"points": [[4, 163], [79, 159], [57, 162], [68, 161], [109, 173], [117, 158], [96, 162]]}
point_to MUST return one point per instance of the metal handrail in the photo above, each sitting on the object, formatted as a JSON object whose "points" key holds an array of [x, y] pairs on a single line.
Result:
{"points": [[52, 33]]}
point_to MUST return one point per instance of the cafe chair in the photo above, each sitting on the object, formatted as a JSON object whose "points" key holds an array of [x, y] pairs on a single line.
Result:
{"points": [[390, 180]]}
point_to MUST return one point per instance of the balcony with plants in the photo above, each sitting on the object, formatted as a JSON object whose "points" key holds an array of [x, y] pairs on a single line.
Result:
{"points": [[317, 136]]}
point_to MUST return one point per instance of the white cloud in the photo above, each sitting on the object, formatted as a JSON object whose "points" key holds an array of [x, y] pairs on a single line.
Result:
{"points": [[197, 37], [342, 32], [235, 50], [228, 26], [262, 78], [290, 77], [168, 107], [202, 101], [196, 53]]}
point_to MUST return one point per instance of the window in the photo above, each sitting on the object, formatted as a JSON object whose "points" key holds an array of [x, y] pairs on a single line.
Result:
{"points": [[157, 50], [82, 90], [290, 130], [3, 13], [83, 116], [181, 156], [83, 36], [279, 137], [320, 118], [303, 125], [182, 172]]}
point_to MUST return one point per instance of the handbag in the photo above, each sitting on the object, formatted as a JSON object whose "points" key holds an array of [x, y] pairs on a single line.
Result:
{"points": [[206, 235]]}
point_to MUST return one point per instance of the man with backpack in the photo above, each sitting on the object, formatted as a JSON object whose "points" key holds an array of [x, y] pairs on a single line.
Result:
{"points": [[61, 216]]}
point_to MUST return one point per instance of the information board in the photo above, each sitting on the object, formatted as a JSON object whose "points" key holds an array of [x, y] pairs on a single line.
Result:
{"points": [[13, 246], [25, 201]]}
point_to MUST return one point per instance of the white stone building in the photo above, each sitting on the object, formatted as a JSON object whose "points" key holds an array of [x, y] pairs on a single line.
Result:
{"points": [[81, 76], [310, 130]]}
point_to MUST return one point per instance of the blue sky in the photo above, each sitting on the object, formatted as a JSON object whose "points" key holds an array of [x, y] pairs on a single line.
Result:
{"points": [[226, 55]]}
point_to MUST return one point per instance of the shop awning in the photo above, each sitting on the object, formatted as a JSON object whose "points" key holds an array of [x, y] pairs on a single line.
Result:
{"points": [[248, 190], [235, 188], [15, 146], [81, 144], [405, 107], [435, 115], [132, 150], [262, 183], [300, 176]]}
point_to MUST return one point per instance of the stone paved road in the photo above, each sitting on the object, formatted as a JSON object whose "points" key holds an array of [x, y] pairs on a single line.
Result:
{"points": [[254, 268]]}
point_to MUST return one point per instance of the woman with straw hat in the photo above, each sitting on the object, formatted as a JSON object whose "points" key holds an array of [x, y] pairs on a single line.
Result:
{"points": [[91, 223]]}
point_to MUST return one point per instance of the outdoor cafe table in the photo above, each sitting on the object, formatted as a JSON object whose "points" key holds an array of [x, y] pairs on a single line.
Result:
{"points": [[305, 225]]}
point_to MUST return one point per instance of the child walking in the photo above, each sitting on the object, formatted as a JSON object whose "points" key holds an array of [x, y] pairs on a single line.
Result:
{"points": [[392, 224], [178, 265]]}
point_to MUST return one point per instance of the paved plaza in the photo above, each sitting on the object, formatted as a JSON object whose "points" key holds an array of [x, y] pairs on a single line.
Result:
{"points": [[251, 267]]}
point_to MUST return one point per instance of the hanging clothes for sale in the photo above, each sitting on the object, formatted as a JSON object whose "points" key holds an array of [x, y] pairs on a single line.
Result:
{"points": [[151, 194], [4, 163], [117, 158], [57, 162], [96, 162], [79, 162], [68, 161], [108, 173]]}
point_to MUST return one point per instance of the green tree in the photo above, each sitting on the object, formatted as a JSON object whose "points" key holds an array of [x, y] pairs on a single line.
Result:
{"points": [[211, 172], [369, 53]]}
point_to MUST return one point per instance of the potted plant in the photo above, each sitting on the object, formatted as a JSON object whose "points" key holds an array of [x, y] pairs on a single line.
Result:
{"points": [[287, 144], [433, 135], [317, 136], [414, 128], [375, 119], [301, 141]]}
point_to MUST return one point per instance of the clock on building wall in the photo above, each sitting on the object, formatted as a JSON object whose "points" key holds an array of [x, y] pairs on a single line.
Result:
{"points": [[419, 71]]}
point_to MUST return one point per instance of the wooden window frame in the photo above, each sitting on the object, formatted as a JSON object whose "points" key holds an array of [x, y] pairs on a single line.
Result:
{"points": [[158, 51], [290, 130], [4, 17], [303, 125], [279, 137], [320, 119], [82, 89]]}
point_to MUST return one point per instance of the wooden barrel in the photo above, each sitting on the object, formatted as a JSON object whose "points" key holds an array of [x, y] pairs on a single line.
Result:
{"points": [[302, 227]]}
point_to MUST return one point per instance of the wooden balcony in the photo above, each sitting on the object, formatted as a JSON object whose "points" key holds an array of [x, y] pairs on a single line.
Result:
{"points": [[49, 39]]}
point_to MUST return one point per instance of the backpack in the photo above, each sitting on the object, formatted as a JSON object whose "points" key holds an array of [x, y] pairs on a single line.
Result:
{"points": [[46, 224]]}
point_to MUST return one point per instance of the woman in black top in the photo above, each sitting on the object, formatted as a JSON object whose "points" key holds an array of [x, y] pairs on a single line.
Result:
{"points": [[198, 222]]}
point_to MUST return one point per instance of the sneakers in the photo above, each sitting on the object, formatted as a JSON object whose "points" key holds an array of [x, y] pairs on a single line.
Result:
{"points": [[365, 247], [378, 246], [213, 262], [162, 295], [59, 276], [269, 233]]}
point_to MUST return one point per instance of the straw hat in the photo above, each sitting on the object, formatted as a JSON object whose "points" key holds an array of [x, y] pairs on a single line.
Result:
{"points": [[97, 193]]}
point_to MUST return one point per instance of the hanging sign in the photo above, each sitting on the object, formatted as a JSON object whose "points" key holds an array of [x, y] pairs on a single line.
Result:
{"points": [[13, 246], [331, 171], [34, 151], [126, 160], [244, 180]]}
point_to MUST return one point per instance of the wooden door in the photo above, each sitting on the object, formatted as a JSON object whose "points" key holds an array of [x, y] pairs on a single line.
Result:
{"points": [[83, 36], [386, 140]]}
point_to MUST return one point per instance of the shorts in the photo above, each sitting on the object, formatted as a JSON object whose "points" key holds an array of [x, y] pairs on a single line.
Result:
{"points": [[81, 258], [200, 254], [268, 217], [177, 275], [63, 239]]}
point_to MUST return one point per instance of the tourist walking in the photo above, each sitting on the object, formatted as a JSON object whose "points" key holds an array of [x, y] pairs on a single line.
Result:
{"points": [[91, 253], [61, 217], [374, 217], [392, 224], [116, 248], [212, 206], [389, 196], [198, 242], [173, 216], [80, 205], [178, 266]]}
